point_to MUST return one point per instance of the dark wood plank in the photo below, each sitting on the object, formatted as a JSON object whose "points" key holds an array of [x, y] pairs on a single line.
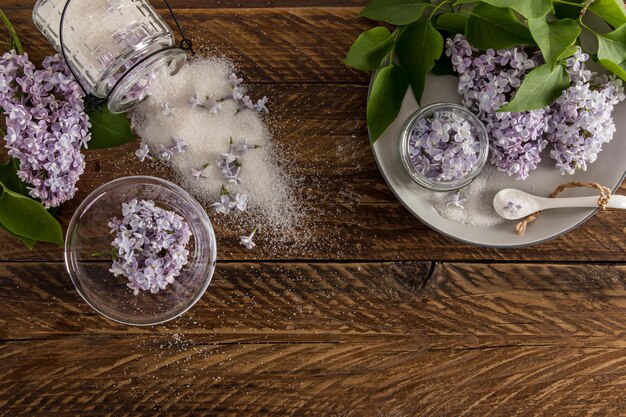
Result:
{"points": [[365, 339], [351, 212]]}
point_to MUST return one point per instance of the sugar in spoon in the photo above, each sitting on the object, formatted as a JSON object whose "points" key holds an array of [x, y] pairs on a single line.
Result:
{"points": [[515, 204]]}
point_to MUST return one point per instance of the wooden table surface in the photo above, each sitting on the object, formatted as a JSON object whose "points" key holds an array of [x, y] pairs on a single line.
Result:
{"points": [[379, 317]]}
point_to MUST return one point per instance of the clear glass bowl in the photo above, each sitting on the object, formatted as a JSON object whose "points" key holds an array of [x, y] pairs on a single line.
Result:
{"points": [[461, 112], [88, 233]]}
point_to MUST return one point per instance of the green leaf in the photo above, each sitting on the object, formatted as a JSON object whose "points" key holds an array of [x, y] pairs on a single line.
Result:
{"points": [[497, 28], [418, 46], [108, 129], [539, 89], [612, 11], [27, 218], [554, 38], [452, 22], [369, 49], [385, 99], [8, 176], [612, 51], [396, 12], [14, 39], [28, 242], [530, 9]]}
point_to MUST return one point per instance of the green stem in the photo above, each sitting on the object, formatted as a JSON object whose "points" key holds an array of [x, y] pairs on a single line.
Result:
{"points": [[438, 7], [14, 38], [580, 22]]}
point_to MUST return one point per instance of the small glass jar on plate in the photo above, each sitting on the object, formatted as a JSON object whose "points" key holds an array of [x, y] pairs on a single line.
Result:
{"points": [[443, 146]]}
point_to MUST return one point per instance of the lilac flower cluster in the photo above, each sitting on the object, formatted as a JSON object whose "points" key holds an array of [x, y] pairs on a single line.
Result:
{"points": [[576, 124], [244, 102], [581, 119], [444, 146], [163, 153], [149, 247], [487, 82], [46, 125]]}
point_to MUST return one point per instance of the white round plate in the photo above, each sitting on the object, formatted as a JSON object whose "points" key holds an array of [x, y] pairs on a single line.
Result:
{"points": [[608, 170]]}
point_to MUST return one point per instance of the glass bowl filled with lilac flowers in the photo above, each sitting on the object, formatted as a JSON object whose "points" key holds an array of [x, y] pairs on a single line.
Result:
{"points": [[140, 250], [443, 146]]}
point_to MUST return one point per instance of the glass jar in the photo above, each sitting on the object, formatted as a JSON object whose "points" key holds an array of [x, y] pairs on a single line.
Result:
{"points": [[443, 146], [103, 39]]}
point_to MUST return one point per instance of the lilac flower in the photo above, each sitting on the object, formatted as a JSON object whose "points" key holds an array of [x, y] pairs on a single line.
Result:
{"points": [[456, 201], [46, 125], [233, 177], [167, 109], [230, 157], [198, 173], [247, 240], [234, 80], [246, 103], [223, 204], [149, 246], [243, 146], [179, 146], [143, 152], [443, 146], [115, 5], [488, 81], [194, 102], [240, 202], [165, 154], [260, 105], [215, 106], [236, 94], [512, 208], [581, 118]]}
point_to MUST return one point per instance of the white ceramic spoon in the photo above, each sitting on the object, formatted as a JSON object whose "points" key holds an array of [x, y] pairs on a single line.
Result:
{"points": [[514, 204]]}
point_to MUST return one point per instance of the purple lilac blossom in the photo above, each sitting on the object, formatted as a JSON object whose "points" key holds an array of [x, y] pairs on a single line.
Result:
{"points": [[488, 81], [46, 125], [443, 146], [247, 240], [162, 152], [581, 119], [150, 245]]}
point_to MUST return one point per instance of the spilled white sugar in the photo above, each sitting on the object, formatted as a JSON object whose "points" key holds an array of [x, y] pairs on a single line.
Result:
{"points": [[478, 207], [271, 204]]}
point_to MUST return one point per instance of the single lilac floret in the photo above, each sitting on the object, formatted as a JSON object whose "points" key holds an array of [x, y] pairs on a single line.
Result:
{"points": [[456, 201], [247, 240]]}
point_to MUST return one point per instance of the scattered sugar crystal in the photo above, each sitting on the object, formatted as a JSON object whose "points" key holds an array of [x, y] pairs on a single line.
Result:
{"points": [[270, 196], [477, 202]]}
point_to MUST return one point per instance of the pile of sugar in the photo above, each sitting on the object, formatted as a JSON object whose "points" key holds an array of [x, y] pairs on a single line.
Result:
{"points": [[272, 204], [478, 206]]}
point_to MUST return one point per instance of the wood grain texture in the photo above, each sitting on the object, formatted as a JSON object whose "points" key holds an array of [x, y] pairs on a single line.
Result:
{"points": [[372, 339], [337, 326]]}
